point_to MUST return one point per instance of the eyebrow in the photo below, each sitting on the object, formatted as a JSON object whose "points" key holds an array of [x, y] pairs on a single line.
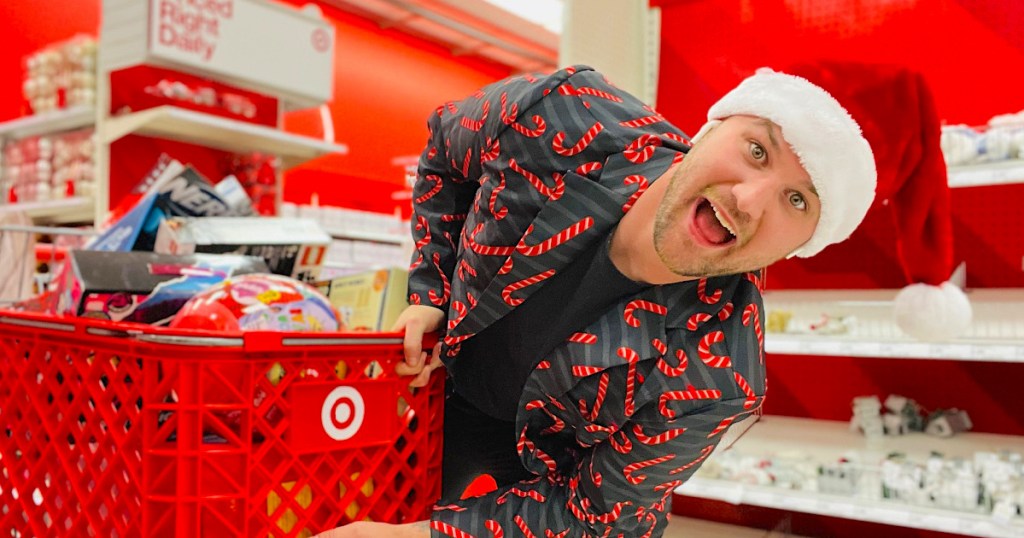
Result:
{"points": [[770, 128]]}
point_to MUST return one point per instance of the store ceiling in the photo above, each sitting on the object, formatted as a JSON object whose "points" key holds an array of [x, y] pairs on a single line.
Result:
{"points": [[467, 27]]}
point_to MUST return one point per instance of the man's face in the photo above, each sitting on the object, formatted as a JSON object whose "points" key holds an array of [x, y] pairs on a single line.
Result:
{"points": [[740, 200]]}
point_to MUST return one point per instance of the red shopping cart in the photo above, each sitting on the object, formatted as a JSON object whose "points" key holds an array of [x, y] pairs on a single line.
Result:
{"points": [[113, 429]]}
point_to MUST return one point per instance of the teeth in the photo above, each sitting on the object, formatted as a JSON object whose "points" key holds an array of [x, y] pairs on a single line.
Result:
{"points": [[721, 220]]}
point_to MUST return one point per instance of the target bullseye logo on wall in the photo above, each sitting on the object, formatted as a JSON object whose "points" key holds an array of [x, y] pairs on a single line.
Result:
{"points": [[328, 416]]}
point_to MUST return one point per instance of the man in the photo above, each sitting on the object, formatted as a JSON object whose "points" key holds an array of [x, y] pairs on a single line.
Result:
{"points": [[599, 280]]}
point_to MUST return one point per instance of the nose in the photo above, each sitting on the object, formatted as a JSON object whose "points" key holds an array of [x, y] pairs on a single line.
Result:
{"points": [[753, 195]]}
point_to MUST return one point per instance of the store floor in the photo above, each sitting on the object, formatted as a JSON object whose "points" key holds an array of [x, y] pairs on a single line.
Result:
{"points": [[684, 527]]}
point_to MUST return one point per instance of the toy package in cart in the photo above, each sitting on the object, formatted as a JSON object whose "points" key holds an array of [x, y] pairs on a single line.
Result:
{"points": [[122, 429], [142, 286]]}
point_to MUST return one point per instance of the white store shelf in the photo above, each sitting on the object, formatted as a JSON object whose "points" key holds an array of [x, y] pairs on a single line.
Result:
{"points": [[360, 235], [223, 133], [831, 505], [996, 332], [826, 441], [64, 211], [985, 174], [48, 122]]}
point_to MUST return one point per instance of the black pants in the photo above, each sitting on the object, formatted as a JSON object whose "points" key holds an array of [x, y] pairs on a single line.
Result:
{"points": [[476, 444]]}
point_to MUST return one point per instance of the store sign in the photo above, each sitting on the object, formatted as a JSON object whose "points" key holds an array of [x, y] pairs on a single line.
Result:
{"points": [[257, 44], [330, 416]]}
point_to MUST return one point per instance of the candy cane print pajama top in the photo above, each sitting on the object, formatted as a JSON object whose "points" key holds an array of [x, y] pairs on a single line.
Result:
{"points": [[516, 181]]}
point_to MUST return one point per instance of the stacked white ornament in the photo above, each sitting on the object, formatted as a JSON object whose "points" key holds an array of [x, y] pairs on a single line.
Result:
{"points": [[73, 170], [40, 87], [28, 169], [79, 77]]}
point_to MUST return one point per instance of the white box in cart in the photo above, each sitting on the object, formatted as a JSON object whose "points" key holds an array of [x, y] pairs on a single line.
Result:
{"points": [[291, 247], [255, 44]]}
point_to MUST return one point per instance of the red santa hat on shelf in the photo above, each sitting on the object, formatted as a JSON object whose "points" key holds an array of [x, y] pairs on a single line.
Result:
{"points": [[904, 175]]}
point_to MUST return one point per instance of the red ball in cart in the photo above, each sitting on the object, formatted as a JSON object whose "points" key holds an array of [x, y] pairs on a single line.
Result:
{"points": [[259, 302]]}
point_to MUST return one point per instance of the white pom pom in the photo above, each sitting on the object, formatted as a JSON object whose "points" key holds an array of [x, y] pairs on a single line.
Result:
{"points": [[932, 313]]}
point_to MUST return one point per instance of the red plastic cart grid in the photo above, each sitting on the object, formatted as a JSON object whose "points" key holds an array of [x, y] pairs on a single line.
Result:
{"points": [[123, 430]]}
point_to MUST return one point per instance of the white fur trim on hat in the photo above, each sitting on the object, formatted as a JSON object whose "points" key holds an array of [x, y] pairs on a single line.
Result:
{"points": [[932, 313], [824, 137]]}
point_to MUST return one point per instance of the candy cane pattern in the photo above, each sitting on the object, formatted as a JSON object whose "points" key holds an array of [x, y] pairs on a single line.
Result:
{"points": [[587, 168], [670, 371], [602, 390], [751, 314], [642, 149], [637, 479], [710, 358], [506, 267], [722, 426], [453, 217], [557, 143], [583, 338], [490, 151], [625, 446], [507, 292], [449, 530], [526, 445], [523, 494], [745, 387], [510, 120], [486, 250], [450, 507], [676, 138], [704, 453], [642, 186], [464, 269], [471, 300], [644, 121], [633, 358], [725, 312], [569, 89], [661, 438], [558, 239], [697, 320], [553, 193], [499, 213], [756, 279], [422, 224], [641, 304], [447, 286], [523, 527], [659, 346], [585, 371], [460, 313], [476, 125], [495, 528], [558, 425], [431, 153], [685, 395], [702, 287], [543, 365], [436, 180], [549, 534]]}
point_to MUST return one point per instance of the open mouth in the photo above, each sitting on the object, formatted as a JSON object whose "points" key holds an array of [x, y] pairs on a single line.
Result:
{"points": [[710, 226]]}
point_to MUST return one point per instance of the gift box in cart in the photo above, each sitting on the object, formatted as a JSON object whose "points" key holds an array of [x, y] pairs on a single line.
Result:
{"points": [[116, 429]]}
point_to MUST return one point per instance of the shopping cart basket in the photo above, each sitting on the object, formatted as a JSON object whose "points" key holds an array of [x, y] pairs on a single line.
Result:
{"points": [[114, 429]]}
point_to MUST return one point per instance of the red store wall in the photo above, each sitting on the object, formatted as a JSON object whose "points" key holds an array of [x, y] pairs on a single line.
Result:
{"points": [[386, 84], [964, 49]]}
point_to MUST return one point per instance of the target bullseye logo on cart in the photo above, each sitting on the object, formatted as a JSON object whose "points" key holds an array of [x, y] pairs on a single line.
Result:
{"points": [[342, 413], [328, 416]]}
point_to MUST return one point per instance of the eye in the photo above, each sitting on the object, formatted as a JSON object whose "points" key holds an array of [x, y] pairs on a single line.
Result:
{"points": [[757, 151], [797, 200]]}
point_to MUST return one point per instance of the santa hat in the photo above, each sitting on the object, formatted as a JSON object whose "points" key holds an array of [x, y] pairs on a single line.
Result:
{"points": [[895, 109]]}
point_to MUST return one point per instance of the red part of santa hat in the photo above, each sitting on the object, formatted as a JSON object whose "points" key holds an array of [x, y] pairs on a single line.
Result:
{"points": [[897, 115], [896, 111]]}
